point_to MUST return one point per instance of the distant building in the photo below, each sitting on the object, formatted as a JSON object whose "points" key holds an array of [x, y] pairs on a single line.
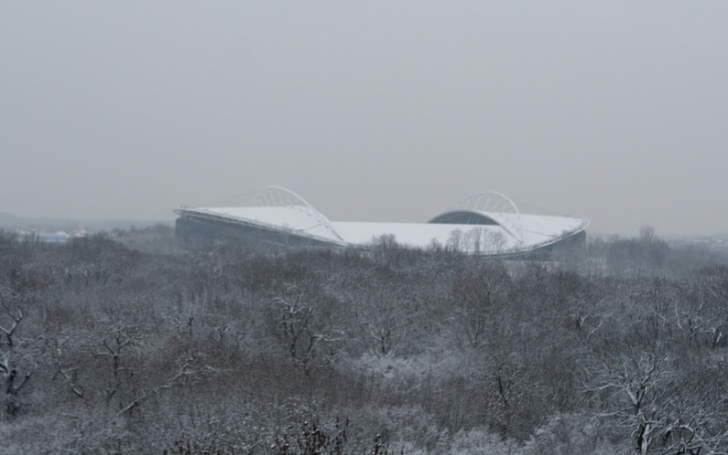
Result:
{"points": [[45, 237], [278, 220]]}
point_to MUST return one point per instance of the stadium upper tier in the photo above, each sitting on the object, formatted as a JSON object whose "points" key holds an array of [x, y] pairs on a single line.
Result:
{"points": [[278, 219]]}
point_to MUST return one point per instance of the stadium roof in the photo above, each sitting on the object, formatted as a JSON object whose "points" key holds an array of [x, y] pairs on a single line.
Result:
{"points": [[484, 223]]}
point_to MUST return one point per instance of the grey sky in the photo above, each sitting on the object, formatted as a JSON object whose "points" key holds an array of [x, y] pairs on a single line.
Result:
{"points": [[389, 111]]}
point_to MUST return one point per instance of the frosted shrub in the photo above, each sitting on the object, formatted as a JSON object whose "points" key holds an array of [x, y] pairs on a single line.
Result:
{"points": [[479, 441], [570, 433], [66, 433]]}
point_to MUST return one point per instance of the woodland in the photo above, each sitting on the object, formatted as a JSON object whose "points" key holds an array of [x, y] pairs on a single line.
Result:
{"points": [[121, 342]]}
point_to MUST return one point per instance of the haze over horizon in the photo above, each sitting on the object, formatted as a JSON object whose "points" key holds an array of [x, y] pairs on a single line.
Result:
{"points": [[375, 111]]}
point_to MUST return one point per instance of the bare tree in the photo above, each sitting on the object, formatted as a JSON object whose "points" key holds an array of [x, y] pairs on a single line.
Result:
{"points": [[301, 322], [11, 318]]}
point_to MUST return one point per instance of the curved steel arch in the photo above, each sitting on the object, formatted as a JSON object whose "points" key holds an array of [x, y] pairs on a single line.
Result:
{"points": [[277, 196], [498, 206]]}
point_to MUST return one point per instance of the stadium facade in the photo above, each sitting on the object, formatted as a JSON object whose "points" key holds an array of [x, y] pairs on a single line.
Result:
{"points": [[278, 220]]}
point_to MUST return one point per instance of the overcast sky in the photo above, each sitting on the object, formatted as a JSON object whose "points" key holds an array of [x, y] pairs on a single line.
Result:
{"points": [[614, 111]]}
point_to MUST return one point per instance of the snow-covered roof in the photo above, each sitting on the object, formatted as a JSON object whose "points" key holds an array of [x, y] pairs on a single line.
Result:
{"points": [[508, 231], [295, 219]]}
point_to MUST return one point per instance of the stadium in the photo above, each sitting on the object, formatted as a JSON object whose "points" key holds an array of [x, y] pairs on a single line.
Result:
{"points": [[277, 220]]}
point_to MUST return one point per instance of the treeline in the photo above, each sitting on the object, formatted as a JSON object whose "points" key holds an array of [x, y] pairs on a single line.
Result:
{"points": [[125, 345]]}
